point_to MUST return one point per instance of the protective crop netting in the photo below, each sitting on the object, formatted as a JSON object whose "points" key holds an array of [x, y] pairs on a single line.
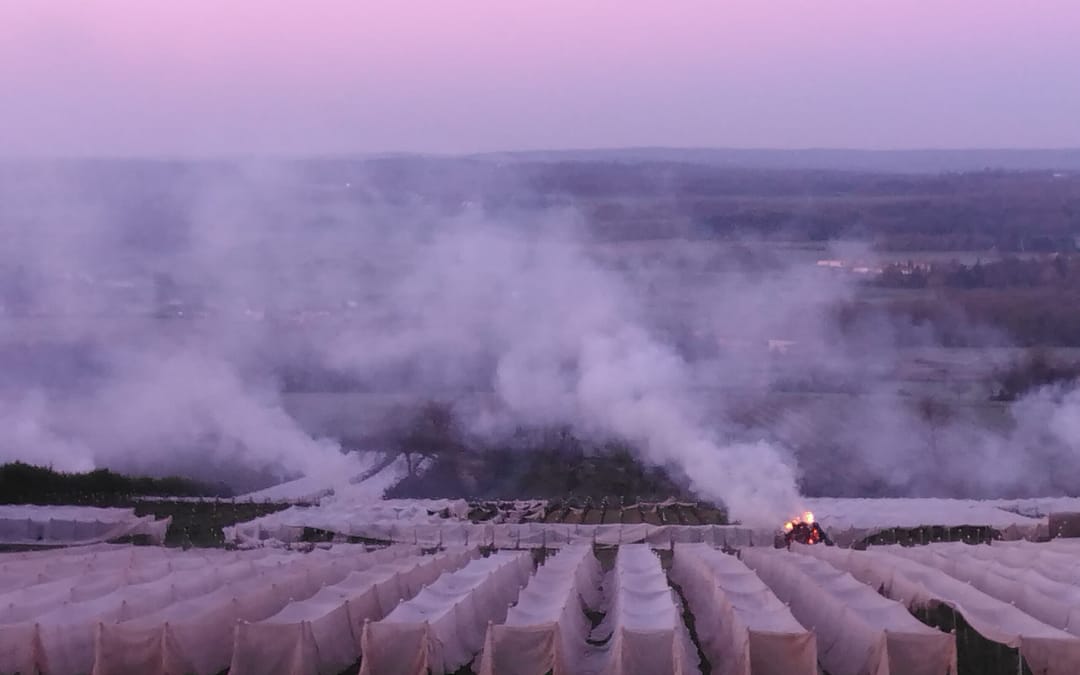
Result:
{"points": [[1046, 649], [643, 626], [109, 610], [152, 610], [1053, 602], [741, 625], [289, 527], [432, 523], [858, 631], [24, 524], [322, 633], [546, 630], [443, 627]]}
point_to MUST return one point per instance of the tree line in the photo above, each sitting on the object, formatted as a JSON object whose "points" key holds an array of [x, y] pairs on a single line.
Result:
{"points": [[22, 483], [1053, 271]]}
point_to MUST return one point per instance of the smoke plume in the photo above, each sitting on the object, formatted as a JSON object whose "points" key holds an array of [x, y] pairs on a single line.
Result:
{"points": [[155, 314]]}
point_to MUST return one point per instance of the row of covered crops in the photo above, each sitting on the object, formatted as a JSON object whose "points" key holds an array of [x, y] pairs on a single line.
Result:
{"points": [[31, 525], [449, 522], [114, 609]]}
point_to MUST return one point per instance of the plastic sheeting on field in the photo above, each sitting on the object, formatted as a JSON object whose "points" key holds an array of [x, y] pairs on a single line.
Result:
{"points": [[859, 632], [65, 635], [849, 520], [49, 620], [20, 571], [1046, 649], [355, 468], [442, 628], [1054, 559], [433, 523], [1052, 602], [337, 514], [195, 635], [1037, 507], [289, 525], [546, 630], [321, 635], [25, 524], [741, 625], [643, 626]]}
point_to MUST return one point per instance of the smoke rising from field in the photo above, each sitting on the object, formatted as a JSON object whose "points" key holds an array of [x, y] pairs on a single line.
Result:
{"points": [[153, 315], [105, 366], [560, 340]]}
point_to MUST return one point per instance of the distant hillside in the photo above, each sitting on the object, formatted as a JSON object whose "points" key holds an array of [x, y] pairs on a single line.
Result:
{"points": [[883, 161]]}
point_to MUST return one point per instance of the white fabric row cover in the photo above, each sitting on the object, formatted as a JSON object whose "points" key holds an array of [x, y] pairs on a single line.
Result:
{"points": [[52, 623], [290, 527], [1061, 544], [72, 525], [1037, 507], [442, 628], [43, 513], [290, 522], [49, 553], [1046, 649], [90, 552], [195, 634], [741, 625], [75, 557], [321, 635], [69, 532], [40, 595], [1052, 602], [858, 631], [354, 468], [546, 630], [849, 520], [18, 572], [72, 579], [422, 522], [38, 600], [1052, 560], [643, 626]]}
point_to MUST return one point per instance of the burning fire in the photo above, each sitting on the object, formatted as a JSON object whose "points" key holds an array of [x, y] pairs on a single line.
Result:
{"points": [[807, 518], [803, 530]]}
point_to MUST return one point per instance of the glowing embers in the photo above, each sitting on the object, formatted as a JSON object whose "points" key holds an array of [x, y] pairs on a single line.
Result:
{"points": [[804, 530]]}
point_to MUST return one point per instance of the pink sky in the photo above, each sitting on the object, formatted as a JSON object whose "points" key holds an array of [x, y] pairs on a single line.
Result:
{"points": [[197, 77]]}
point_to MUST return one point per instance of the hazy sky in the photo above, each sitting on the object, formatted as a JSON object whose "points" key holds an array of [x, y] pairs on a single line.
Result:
{"points": [[195, 77]]}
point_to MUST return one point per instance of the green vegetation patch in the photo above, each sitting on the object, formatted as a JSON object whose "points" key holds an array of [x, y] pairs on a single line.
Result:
{"points": [[27, 484]]}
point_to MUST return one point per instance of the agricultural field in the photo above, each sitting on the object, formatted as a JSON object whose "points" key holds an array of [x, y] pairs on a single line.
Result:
{"points": [[511, 482], [688, 608]]}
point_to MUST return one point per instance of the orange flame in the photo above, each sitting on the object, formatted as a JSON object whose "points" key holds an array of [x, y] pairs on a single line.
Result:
{"points": [[808, 529]]}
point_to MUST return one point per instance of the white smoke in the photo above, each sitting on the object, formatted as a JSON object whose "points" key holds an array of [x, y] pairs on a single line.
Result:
{"points": [[146, 393], [568, 345], [419, 299]]}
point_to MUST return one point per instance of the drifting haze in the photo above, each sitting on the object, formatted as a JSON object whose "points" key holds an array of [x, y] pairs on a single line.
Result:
{"points": [[151, 314], [176, 297], [205, 77]]}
